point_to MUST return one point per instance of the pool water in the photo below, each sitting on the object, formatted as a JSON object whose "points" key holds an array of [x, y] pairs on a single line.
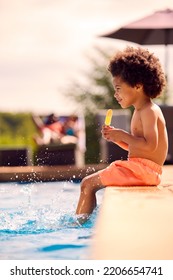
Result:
{"points": [[37, 222]]}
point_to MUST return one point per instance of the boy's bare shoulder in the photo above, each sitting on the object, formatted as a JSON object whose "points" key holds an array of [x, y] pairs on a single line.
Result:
{"points": [[152, 111], [153, 108]]}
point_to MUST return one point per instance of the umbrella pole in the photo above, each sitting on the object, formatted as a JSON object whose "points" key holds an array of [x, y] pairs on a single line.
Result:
{"points": [[166, 62], [166, 75], [166, 95]]}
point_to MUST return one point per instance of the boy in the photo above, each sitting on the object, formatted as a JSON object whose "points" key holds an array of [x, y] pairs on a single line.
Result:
{"points": [[137, 79]]}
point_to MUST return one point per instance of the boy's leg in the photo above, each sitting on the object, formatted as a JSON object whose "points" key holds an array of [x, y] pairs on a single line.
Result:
{"points": [[87, 200]]}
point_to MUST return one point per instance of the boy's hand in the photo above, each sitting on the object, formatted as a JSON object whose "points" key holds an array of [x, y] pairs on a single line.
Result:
{"points": [[111, 133]]}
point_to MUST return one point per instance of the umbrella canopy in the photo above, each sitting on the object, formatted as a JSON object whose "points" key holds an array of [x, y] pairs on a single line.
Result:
{"points": [[155, 29]]}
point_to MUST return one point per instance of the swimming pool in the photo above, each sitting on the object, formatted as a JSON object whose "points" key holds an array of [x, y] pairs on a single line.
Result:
{"points": [[36, 222]]}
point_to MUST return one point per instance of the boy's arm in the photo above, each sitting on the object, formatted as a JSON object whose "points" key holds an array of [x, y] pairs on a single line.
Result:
{"points": [[108, 134], [123, 145], [147, 142]]}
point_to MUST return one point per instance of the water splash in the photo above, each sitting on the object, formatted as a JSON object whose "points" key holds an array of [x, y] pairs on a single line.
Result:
{"points": [[41, 216], [40, 220]]}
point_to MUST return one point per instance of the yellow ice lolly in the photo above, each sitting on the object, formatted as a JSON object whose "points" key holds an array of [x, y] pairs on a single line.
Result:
{"points": [[108, 117]]}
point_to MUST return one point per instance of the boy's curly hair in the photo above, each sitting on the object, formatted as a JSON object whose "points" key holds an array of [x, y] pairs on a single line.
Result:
{"points": [[139, 66]]}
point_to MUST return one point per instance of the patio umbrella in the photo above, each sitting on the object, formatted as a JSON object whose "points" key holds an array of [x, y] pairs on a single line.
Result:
{"points": [[155, 29]]}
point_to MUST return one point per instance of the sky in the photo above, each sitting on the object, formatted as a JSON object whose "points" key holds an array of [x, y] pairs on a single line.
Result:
{"points": [[44, 45]]}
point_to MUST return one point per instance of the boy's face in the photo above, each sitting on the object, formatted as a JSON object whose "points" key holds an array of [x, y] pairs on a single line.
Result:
{"points": [[124, 93]]}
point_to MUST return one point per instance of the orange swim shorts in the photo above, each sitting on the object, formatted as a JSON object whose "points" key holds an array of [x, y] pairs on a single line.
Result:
{"points": [[131, 172]]}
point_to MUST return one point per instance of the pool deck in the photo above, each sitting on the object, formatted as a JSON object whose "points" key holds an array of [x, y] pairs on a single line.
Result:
{"points": [[136, 223]]}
